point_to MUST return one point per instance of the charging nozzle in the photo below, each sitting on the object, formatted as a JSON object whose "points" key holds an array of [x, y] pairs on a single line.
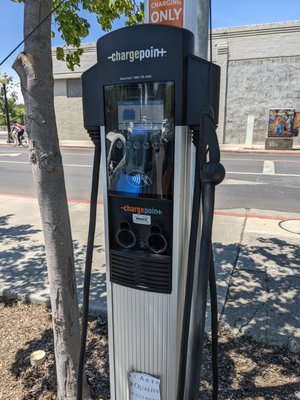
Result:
{"points": [[125, 237], [212, 172], [156, 241]]}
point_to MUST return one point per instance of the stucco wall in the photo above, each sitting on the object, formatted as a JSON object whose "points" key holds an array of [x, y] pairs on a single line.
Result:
{"points": [[259, 71], [255, 87], [68, 110]]}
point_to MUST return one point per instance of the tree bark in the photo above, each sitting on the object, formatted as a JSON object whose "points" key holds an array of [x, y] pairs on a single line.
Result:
{"points": [[34, 67]]}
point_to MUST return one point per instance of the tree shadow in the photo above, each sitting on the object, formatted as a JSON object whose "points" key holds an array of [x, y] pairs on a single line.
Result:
{"points": [[97, 359], [41, 379], [7, 302], [259, 351], [97, 295], [250, 370], [263, 298], [36, 380], [22, 256], [23, 274], [23, 271]]}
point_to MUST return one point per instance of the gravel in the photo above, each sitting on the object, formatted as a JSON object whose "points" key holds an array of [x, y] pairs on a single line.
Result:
{"points": [[247, 370]]}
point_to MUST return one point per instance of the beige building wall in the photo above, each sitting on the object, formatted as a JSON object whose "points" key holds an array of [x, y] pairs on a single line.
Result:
{"points": [[68, 110], [260, 67]]}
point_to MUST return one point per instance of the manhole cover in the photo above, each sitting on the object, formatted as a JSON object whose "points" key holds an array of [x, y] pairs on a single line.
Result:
{"points": [[291, 225]]}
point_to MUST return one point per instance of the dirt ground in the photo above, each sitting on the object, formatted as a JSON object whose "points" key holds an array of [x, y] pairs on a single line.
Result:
{"points": [[247, 370]]}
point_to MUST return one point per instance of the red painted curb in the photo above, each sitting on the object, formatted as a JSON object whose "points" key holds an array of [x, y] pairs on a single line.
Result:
{"points": [[248, 215], [217, 212], [21, 196], [289, 152]]}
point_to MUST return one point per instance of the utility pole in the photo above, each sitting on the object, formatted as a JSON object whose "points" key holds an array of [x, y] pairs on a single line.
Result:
{"points": [[189, 14], [4, 82], [192, 15]]}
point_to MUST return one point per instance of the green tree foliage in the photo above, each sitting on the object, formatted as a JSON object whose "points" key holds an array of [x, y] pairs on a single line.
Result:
{"points": [[16, 110], [73, 27]]}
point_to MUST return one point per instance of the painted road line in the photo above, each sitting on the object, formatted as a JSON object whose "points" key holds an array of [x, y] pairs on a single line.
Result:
{"points": [[269, 167], [65, 165], [87, 154], [239, 182], [227, 172], [284, 160], [248, 214], [260, 173], [32, 197], [10, 154], [78, 165], [14, 162]]}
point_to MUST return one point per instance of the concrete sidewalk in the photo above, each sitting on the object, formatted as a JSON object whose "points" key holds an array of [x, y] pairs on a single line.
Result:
{"points": [[256, 256], [23, 271], [259, 147]]}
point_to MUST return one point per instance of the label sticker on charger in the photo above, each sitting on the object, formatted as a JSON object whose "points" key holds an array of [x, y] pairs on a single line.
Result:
{"points": [[141, 219], [143, 386]]}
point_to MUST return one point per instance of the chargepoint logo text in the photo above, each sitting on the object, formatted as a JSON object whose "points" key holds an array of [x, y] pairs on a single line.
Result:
{"points": [[138, 55]]}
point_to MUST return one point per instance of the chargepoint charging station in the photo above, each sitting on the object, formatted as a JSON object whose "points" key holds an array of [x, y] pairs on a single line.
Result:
{"points": [[149, 101]]}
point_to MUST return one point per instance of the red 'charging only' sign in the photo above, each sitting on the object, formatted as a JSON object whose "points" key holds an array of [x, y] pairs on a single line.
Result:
{"points": [[169, 12]]}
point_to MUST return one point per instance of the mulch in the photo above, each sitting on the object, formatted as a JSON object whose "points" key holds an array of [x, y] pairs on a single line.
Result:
{"points": [[247, 370]]}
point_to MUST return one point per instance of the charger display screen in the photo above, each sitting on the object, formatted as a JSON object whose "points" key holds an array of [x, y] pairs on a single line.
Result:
{"points": [[139, 128]]}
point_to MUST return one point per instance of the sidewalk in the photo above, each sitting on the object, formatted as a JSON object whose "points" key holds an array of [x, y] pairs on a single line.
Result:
{"points": [[256, 255], [23, 271], [260, 148]]}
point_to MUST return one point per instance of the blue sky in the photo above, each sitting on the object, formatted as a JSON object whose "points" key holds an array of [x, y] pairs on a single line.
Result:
{"points": [[224, 13]]}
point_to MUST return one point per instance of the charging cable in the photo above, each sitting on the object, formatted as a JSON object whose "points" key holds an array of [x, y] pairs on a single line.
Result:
{"points": [[88, 262], [207, 175]]}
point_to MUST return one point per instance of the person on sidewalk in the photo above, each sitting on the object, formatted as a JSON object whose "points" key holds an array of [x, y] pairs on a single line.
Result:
{"points": [[18, 130]]}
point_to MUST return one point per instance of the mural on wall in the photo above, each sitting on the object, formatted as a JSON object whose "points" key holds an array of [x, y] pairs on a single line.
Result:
{"points": [[281, 123], [296, 125]]}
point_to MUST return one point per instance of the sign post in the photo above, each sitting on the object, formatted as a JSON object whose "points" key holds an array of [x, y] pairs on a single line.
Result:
{"points": [[188, 14], [166, 12]]}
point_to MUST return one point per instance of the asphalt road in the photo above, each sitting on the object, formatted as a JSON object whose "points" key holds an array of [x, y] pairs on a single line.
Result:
{"points": [[253, 180], [260, 180], [16, 177]]}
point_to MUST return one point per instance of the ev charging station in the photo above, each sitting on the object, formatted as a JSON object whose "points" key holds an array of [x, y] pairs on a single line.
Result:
{"points": [[147, 102]]}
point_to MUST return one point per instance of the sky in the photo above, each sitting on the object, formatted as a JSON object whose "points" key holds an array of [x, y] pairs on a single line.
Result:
{"points": [[225, 13]]}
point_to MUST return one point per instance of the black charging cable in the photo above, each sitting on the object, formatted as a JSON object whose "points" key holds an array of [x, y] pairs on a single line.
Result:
{"points": [[207, 175], [214, 157], [214, 326], [198, 306], [190, 269], [88, 262], [212, 173]]}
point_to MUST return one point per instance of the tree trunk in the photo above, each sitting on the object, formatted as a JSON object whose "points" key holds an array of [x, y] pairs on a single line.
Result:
{"points": [[34, 67]]}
